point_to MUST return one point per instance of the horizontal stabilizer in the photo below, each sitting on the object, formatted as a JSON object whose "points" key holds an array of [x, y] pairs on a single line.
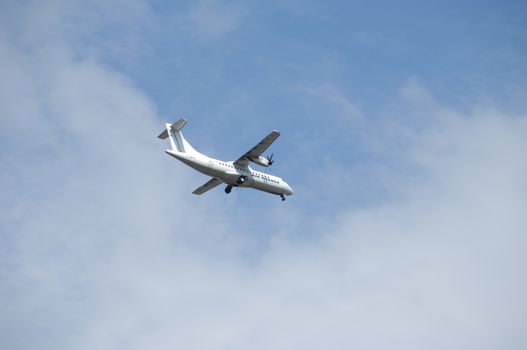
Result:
{"points": [[177, 126]]}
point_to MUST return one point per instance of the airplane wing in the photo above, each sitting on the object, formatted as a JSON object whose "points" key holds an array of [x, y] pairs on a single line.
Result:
{"points": [[257, 150], [209, 185]]}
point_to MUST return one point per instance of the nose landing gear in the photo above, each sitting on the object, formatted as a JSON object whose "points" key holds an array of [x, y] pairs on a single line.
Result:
{"points": [[283, 197]]}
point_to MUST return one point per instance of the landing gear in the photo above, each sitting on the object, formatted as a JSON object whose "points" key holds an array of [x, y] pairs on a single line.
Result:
{"points": [[228, 189], [283, 197]]}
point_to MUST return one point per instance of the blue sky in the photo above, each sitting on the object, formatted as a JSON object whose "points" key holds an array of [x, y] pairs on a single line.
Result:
{"points": [[403, 134]]}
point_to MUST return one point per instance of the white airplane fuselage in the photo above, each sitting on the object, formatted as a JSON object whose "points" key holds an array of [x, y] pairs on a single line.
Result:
{"points": [[230, 173]]}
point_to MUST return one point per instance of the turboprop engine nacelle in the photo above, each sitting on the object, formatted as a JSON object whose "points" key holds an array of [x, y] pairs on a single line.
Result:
{"points": [[261, 161]]}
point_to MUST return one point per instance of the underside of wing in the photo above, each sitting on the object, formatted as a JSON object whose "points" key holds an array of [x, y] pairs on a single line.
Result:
{"points": [[257, 150], [209, 185]]}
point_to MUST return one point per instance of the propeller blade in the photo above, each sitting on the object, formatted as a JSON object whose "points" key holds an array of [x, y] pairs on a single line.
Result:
{"points": [[270, 160]]}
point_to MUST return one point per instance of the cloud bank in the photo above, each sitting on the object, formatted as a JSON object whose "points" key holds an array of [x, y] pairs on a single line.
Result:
{"points": [[103, 247]]}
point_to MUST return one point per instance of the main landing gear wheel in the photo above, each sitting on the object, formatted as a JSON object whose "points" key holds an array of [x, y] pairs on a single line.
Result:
{"points": [[283, 197], [228, 189]]}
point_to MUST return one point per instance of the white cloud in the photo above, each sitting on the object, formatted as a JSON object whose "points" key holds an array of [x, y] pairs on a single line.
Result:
{"points": [[103, 247], [336, 100]]}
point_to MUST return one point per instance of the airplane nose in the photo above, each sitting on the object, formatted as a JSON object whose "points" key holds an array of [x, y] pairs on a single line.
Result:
{"points": [[289, 190]]}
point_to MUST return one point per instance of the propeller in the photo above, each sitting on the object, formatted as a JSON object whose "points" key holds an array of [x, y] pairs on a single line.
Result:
{"points": [[270, 160]]}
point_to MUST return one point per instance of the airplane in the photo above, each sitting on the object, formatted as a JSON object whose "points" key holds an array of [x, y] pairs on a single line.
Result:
{"points": [[236, 173]]}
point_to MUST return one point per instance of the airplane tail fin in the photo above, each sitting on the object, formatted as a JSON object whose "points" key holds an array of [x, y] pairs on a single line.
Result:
{"points": [[177, 141]]}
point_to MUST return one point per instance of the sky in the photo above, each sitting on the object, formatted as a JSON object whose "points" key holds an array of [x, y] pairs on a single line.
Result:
{"points": [[403, 135]]}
